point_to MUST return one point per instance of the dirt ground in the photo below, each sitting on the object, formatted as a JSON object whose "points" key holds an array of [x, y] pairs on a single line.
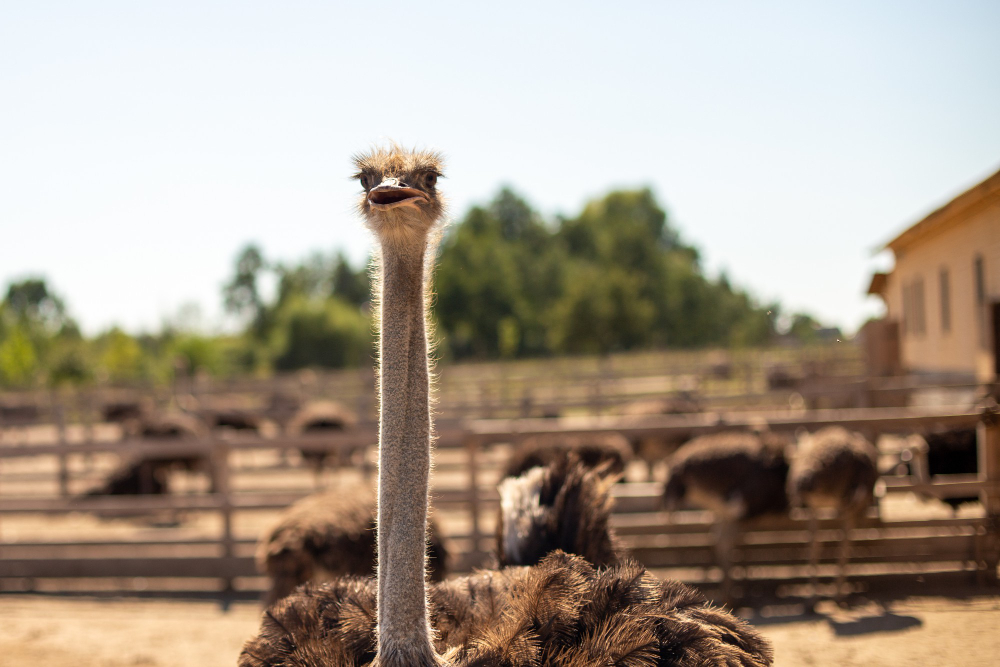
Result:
{"points": [[88, 632]]}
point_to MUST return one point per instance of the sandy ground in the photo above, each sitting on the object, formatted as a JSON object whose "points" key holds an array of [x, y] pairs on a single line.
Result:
{"points": [[74, 632]]}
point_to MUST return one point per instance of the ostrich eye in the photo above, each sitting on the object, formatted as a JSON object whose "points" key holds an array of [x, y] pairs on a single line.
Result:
{"points": [[364, 181], [430, 178]]}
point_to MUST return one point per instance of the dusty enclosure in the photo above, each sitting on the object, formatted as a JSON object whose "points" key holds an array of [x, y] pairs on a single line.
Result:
{"points": [[91, 632]]}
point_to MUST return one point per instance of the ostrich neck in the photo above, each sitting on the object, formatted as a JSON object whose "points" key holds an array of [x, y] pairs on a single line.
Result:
{"points": [[404, 636]]}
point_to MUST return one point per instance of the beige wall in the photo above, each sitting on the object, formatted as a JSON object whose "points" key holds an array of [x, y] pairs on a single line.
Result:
{"points": [[963, 348]]}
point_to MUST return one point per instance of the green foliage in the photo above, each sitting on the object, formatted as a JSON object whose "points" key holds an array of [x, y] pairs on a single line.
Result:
{"points": [[38, 340], [31, 302], [508, 284], [330, 333], [616, 277], [498, 271], [350, 285], [120, 357], [240, 296], [69, 358], [18, 358], [603, 310]]}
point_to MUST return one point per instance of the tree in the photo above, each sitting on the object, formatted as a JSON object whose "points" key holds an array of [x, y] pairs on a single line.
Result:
{"points": [[329, 333], [31, 301], [502, 310], [350, 285], [18, 358], [241, 295]]}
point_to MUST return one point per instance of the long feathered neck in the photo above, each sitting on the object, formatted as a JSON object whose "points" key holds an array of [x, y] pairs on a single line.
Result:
{"points": [[404, 634]]}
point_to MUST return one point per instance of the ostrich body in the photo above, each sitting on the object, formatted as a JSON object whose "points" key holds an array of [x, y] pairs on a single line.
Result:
{"points": [[565, 506], [654, 449], [150, 475], [591, 450], [318, 417], [561, 611], [738, 475], [951, 452], [836, 469], [328, 535]]}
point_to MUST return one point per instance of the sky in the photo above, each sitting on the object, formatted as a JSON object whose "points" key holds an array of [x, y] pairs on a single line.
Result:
{"points": [[142, 145]]}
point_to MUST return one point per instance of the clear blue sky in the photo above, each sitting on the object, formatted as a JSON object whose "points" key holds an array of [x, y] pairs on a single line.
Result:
{"points": [[143, 144]]}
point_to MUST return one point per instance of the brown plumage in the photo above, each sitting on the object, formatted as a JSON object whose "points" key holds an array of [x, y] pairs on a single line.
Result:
{"points": [[561, 611], [836, 469], [321, 417], [652, 449], [136, 477], [125, 410], [736, 474], [169, 425], [565, 506], [151, 475], [329, 535], [591, 449], [948, 452]]}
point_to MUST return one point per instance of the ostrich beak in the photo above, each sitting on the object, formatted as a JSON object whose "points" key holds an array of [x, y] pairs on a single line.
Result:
{"points": [[389, 195]]}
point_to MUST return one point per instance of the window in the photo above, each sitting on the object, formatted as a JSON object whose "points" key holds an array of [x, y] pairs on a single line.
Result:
{"points": [[919, 314], [907, 310], [945, 288], [914, 315], [979, 279]]}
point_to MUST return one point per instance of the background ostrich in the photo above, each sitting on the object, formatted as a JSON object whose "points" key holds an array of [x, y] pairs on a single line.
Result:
{"points": [[737, 475], [590, 449], [565, 505], [836, 469], [653, 449], [222, 412], [561, 611], [318, 417], [150, 474], [328, 535], [951, 452], [126, 410]]}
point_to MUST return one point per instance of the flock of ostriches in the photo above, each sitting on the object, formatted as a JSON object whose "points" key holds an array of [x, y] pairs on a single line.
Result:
{"points": [[562, 591]]}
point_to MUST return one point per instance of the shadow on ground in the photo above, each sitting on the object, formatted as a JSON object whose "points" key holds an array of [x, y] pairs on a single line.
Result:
{"points": [[885, 622]]}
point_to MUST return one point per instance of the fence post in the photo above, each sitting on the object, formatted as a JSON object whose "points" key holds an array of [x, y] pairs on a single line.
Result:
{"points": [[60, 410], [988, 433], [472, 445], [220, 475], [87, 404]]}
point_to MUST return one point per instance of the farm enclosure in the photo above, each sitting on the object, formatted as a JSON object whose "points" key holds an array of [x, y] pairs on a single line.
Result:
{"points": [[202, 537]]}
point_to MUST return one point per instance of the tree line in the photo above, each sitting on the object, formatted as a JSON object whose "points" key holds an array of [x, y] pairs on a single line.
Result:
{"points": [[509, 284]]}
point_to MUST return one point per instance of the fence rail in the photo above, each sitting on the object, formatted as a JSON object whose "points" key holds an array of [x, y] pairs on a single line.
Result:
{"points": [[658, 539]]}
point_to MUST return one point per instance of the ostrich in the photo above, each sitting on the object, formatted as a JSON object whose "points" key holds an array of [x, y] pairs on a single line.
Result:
{"points": [[328, 535], [150, 474], [126, 410], [230, 413], [738, 475], [317, 417], [561, 611], [564, 505], [654, 449], [833, 468], [590, 449], [951, 452]]}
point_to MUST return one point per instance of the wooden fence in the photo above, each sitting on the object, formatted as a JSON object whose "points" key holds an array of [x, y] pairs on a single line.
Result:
{"points": [[508, 389], [771, 550]]}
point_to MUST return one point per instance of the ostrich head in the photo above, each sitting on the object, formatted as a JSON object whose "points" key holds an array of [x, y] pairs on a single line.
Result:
{"points": [[400, 203]]}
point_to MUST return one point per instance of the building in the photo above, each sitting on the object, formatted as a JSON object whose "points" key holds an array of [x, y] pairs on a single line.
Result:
{"points": [[943, 294]]}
